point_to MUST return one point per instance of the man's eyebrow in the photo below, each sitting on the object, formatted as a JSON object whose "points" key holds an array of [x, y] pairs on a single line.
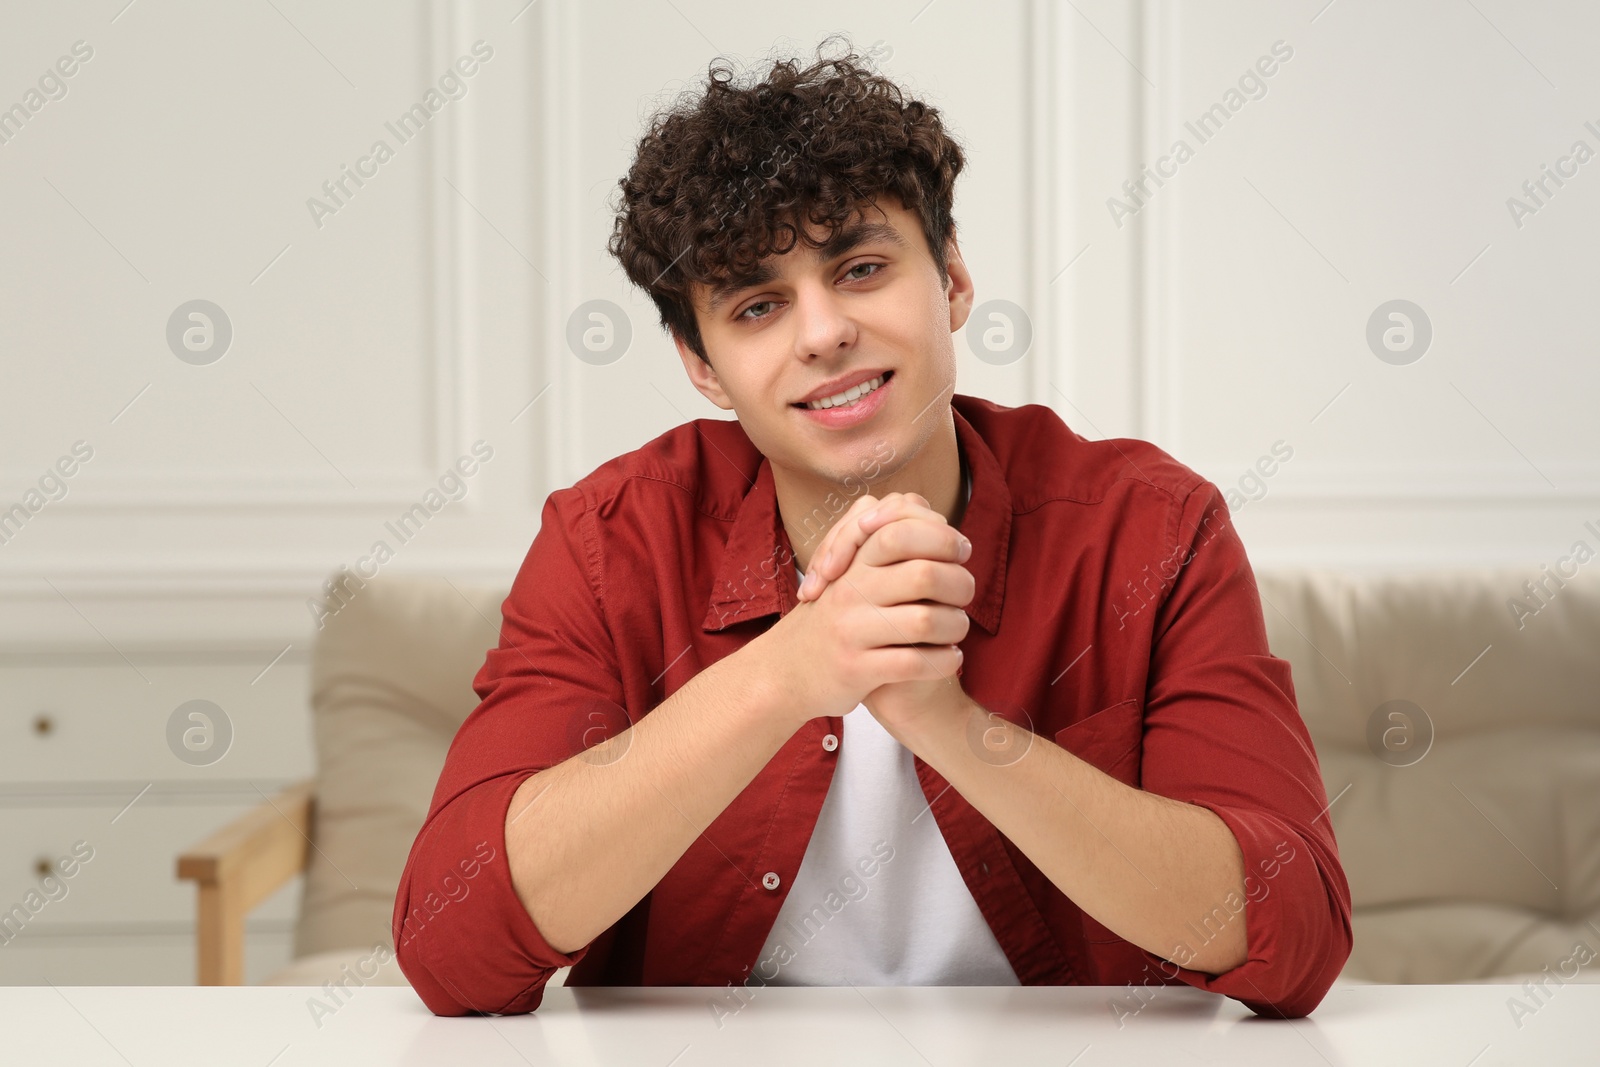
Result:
{"points": [[841, 243]]}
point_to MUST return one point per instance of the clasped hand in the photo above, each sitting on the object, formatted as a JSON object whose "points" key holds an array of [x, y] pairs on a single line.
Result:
{"points": [[881, 615]]}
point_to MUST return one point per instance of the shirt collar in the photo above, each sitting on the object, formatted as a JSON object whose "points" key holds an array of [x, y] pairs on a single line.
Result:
{"points": [[755, 576]]}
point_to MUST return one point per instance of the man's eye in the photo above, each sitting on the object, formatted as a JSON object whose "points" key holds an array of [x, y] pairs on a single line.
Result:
{"points": [[747, 317]]}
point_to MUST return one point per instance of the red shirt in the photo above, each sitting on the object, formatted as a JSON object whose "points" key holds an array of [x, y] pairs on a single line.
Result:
{"points": [[1115, 614]]}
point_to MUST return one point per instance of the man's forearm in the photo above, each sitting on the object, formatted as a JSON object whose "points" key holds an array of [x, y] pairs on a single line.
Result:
{"points": [[1145, 866], [588, 838]]}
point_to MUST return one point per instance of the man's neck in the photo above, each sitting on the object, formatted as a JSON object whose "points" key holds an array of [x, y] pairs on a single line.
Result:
{"points": [[936, 473]]}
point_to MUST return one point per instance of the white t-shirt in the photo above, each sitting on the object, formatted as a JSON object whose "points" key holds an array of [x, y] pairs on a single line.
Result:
{"points": [[878, 899]]}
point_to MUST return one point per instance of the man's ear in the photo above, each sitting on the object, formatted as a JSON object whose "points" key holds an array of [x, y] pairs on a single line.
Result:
{"points": [[702, 375], [959, 290]]}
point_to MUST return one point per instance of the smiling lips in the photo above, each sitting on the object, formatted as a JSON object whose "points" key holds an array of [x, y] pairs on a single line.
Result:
{"points": [[850, 406], [848, 396], [831, 390]]}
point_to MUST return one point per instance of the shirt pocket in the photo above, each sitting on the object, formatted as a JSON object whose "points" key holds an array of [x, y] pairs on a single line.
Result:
{"points": [[1112, 740]]}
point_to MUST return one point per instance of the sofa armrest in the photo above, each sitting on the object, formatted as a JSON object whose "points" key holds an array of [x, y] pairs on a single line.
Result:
{"points": [[237, 868]]}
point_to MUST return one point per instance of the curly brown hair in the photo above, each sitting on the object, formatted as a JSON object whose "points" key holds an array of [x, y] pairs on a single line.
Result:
{"points": [[718, 179]]}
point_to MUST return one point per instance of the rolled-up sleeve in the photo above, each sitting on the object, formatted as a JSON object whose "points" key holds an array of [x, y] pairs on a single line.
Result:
{"points": [[1222, 730], [462, 936]]}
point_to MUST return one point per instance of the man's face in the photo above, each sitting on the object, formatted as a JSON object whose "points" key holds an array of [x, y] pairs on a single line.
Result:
{"points": [[870, 306]]}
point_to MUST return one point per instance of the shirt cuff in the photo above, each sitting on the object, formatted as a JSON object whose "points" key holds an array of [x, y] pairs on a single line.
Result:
{"points": [[1296, 914], [462, 935]]}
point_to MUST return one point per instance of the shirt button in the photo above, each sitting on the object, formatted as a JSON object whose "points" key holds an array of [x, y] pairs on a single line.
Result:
{"points": [[770, 880], [830, 742]]}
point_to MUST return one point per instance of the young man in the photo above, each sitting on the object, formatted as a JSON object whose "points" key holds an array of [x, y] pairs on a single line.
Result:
{"points": [[1019, 725]]}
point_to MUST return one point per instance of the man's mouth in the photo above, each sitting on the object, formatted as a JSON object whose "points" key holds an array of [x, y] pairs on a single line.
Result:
{"points": [[849, 396]]}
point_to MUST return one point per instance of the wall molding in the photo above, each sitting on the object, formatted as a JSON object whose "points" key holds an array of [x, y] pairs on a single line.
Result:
{"points": [[1052, 194], [1157, 372], [448, 371], [1161, 366], [559, 47]]}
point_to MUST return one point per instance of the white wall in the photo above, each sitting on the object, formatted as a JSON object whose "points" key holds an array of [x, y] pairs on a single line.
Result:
{"points": [[1378, 167], [1227, 313]]}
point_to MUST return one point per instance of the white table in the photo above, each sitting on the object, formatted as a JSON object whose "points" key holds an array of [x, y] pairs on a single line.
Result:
{"points": [[1358, 1025]]}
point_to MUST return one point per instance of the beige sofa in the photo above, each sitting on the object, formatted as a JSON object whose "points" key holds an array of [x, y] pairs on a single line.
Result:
{"points": [[1478, 860], [1481, 859]]}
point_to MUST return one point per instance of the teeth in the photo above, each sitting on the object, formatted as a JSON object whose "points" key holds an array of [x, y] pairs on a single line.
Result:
{"points": [[849, 396]]}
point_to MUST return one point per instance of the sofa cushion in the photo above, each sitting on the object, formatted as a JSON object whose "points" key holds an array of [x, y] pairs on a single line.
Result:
{"points": [[1357, 639], [1434, 943], [1481, 858], [391, 679], [1470, 830]]}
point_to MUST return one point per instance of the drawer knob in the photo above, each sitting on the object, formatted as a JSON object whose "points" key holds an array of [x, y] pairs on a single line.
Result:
{"points": [[43, 724]]}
